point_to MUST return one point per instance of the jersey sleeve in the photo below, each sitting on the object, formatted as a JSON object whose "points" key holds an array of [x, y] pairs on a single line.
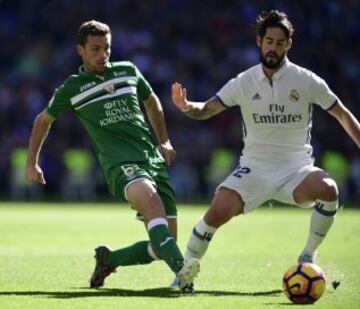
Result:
{"points": [[59, 103], [229, 93], [320, 93], [143, 87]]}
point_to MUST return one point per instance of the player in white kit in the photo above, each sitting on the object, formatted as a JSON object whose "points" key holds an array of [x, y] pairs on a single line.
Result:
{"points": [[276, 99]]}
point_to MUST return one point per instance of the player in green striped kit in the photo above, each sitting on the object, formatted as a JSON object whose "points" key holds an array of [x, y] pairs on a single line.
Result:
{"points": [[105, 97]]}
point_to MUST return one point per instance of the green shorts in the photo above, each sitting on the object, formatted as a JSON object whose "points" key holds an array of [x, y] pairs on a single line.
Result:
{"points": [[121, 176]]}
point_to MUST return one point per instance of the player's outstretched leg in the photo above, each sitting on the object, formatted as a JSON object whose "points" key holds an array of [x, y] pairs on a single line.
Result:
{"points": [[107, 261]]}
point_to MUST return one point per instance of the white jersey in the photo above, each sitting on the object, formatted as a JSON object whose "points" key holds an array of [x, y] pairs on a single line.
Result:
{"points": [[277, 113]]}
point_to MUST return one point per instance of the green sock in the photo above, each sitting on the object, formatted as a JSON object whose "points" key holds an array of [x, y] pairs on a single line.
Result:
{"points": [[132, 255], [165, 247]]}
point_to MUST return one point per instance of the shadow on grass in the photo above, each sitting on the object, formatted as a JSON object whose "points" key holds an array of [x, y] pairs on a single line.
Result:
{"points": [[285, 304], [158, 292]]}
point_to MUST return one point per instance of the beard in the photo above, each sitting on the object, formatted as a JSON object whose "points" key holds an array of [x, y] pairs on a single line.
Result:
{"points": [[276, 61]]}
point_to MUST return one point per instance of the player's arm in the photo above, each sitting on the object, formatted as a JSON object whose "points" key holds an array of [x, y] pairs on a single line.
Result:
{"points": [[347, 120], [38, 135], [195, 110], [155, 114]]}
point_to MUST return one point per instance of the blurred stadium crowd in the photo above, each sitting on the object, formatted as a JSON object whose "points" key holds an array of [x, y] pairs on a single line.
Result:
{"points": [[201, 44]]}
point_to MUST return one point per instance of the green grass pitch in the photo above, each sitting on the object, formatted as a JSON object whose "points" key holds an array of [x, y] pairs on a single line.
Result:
{"points": [[46, 257]]}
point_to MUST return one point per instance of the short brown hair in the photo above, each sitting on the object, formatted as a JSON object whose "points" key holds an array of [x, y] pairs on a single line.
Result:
{"points": [[274, 19], [91, 27]]}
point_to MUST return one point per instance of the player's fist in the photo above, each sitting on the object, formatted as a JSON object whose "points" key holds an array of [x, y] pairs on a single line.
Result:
{"points": [[35, 174], [168, 152]]}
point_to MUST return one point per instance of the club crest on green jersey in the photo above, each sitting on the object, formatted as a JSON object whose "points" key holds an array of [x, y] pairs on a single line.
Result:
{"points": [[110, 88]]}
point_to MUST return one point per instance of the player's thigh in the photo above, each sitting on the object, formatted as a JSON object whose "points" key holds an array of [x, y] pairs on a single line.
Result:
{"points": [[159, 175], [252, 184], [144, 198], [293, 177], [316, 185], [135, 183], [304, 185], [226, 204], [122, 176]]}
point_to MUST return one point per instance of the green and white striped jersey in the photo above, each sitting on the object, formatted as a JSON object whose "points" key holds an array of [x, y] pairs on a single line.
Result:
{"points": [[108, 107]]}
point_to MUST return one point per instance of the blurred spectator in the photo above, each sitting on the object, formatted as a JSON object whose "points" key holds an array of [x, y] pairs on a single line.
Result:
{"points": [[354, 181], [222, 161], [79, 181], [335, 163]]}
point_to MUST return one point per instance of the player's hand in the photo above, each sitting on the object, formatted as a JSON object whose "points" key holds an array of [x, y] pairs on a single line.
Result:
{"points": [[35, 174], [178, 96], [168, 152]]}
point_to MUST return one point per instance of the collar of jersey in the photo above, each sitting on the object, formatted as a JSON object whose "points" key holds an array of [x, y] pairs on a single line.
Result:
{"points": [[92, 74], [277, 75]]}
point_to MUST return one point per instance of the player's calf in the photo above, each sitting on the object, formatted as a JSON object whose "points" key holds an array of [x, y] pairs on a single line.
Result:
{"points": [[199, 240], [321, 221]]}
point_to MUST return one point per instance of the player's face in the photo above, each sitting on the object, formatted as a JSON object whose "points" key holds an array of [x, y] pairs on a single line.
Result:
{"points": [[273, 47], [95, 53]]}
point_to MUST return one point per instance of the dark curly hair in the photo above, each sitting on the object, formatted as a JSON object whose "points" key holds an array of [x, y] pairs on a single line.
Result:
{"points": [[274, 19]]}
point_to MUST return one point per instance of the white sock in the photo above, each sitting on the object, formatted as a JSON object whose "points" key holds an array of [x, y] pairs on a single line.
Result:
{"points": [[155, 222], [199, 240], [321, 221]]}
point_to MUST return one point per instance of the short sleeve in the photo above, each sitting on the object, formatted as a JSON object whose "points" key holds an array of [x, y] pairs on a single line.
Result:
{"points": [[320, 93], [58, 103], [228, 94], [143, 87]]}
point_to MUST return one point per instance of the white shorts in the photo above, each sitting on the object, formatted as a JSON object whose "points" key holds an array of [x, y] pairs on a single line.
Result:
{"points": [[258, 182]]}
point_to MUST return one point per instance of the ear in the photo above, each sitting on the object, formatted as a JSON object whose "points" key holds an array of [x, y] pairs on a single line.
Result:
{"points": [[80, 49], [258, 41], [289, 44]]}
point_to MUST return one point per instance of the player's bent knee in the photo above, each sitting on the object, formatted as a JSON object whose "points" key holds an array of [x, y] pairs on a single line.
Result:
{"points": [[329, 190], [226, 204], [143, 197], [139, 189]]}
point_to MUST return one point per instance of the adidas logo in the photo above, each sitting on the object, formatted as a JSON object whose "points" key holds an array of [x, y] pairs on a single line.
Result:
{"points": [[256, 96]]}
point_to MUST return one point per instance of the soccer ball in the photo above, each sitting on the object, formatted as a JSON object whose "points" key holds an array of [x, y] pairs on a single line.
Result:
{"points": [[304, 283]]}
